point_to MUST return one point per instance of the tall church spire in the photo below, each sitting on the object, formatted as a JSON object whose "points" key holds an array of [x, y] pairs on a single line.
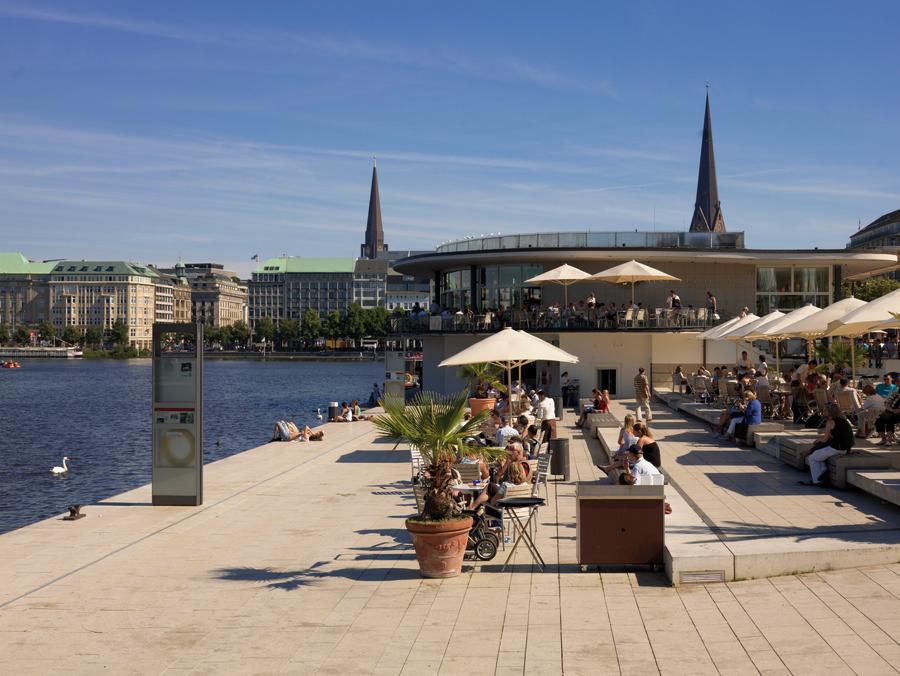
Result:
{"points": [[374, 230], [707, 208]]}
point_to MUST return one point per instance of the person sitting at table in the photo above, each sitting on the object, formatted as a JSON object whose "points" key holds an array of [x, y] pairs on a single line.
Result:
{"points": [[515, 474], [530, 441], [871, 408], [472, 457], [647, 444], [612, 314], [734, 412], [504, 432], [885, 423], [886, 387], [521, 425]]}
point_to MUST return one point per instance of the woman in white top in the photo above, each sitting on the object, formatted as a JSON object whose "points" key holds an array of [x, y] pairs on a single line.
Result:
{"points": [[626, 435]]}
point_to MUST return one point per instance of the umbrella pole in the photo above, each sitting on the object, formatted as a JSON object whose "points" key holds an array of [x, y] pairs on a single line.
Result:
{"points": [[777, 359], [853, 358]]}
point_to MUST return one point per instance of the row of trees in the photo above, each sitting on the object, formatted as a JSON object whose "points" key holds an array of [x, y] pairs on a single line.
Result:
{"points": [[354, 324], [92, 336]]}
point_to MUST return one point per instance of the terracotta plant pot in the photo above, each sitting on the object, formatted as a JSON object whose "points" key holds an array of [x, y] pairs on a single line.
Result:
{"points": [[479, 405], [440, 546]]}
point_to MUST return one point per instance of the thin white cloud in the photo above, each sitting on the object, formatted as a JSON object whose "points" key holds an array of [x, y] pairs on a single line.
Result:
{"points": [[509, 69]]}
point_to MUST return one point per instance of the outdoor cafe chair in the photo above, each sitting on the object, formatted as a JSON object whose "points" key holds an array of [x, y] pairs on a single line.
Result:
{"points": [[821, 398], [701, 316], [515, 507], [628, 318], [468, 472], [641, 317], [540, 476]]}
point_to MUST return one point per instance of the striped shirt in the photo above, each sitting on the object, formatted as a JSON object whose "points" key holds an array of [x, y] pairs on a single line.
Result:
{"points": [[641, 386]]}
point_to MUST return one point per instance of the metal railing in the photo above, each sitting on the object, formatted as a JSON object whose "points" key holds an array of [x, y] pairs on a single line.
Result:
{"points": [[658, 319], [600, 240]]}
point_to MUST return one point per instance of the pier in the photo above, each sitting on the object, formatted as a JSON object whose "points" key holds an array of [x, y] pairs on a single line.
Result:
{"points": [[299, 562]]}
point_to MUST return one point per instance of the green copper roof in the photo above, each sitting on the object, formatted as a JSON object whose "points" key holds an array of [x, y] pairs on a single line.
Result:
{"points": [[300, 264], [14, 263], [101, 267]]}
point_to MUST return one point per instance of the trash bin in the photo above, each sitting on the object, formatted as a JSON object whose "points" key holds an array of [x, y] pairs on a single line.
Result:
{"points": [[333, 409], [558, 403], [559, 461]]}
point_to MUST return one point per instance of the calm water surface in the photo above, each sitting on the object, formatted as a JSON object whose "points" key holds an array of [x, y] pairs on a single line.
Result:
{"points": [[98, 413]]}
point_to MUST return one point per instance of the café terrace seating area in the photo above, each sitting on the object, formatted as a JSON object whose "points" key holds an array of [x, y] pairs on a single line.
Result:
{"points": [[552, 318]]}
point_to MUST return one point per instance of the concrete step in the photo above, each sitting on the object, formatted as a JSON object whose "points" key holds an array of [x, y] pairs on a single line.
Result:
{"points": [[884, 484]]}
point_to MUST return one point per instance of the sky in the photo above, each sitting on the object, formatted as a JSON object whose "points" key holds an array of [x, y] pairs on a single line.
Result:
{"points": [[213, 131]]}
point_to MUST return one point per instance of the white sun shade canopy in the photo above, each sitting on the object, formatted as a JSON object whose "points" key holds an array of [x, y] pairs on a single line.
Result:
{"points": [[508, 348], [564, 274], [867, 317], [632, 271], [725, 329], [741, 332], [773, 330], [744, 321], [817, 323], [716, 330]]}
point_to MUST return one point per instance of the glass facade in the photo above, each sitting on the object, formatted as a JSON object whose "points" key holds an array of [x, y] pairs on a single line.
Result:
{"points": [[495, 285], [788, 287]]}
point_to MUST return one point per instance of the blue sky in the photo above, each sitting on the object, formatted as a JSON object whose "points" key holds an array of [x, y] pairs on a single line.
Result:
{"points": [[217, 130]]}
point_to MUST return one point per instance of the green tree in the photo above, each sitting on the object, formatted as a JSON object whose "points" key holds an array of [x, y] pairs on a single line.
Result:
{"points": [[72, 334], [334, 326], [378, 321], [119, 333], [23, 334], [211, 335], [46, 331], [288, 331], [265, 328], [93, 336], [240, 333], [4, 333], [225, 338], [355, 323], [870, 289], [310, 327]]}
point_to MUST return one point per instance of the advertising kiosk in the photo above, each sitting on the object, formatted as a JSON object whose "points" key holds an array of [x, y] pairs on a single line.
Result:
{"points": [[177, 414]]}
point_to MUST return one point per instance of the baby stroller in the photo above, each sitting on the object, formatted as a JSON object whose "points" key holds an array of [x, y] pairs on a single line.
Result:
{"points": [[484, 536]]}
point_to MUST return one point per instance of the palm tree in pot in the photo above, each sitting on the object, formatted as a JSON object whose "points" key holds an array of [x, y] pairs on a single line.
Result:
{"points": [[482, 378], [435, 424]]}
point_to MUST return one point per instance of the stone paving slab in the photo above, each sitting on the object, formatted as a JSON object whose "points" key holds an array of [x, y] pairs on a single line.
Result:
{"points": [[300, 564]]}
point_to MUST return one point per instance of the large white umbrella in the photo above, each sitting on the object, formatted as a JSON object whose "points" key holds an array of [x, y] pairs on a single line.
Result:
{"points": [[720, 331], [893, 323], [741, 332], [632, 272], [864, 319], [716, 330], [565, 274], [746, 320], [771, 331], [814, 325], [509, 349]]}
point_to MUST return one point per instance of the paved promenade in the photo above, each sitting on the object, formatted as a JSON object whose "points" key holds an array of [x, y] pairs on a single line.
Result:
{"points": [[299, 563]]}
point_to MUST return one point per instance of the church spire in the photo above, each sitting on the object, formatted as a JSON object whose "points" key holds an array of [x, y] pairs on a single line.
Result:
{"points": [[374, 230], [707, 208]]}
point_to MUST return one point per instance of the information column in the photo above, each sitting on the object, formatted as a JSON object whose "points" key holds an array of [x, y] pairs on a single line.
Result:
{"points": [[177, 414]]}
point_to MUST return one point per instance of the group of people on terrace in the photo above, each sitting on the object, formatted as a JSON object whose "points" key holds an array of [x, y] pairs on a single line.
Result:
{"points": [[587, 312], [814, 395]]}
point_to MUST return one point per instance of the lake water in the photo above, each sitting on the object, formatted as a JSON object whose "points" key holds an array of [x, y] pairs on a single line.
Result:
{"points": [[98, 413]]}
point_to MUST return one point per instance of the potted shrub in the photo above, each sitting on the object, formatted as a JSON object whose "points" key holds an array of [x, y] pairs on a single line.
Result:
{"points": [[482, 378], [435, 424]]}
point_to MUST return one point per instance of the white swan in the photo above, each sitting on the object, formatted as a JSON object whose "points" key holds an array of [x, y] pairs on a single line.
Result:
{"points": [[61, 470], [318, 414]]}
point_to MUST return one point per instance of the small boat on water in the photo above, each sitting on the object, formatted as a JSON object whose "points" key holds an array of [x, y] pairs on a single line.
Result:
{"points": [[10, 365]]}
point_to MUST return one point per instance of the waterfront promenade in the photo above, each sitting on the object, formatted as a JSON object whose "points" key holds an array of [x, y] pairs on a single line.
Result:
{"points": [[299, 563]]}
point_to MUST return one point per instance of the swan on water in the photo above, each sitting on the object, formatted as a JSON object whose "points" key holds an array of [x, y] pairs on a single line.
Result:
{"points": [[61, 470], [318, 414]]}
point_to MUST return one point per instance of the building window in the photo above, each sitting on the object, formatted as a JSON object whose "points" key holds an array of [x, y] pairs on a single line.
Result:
{"points": [[787, 288]]}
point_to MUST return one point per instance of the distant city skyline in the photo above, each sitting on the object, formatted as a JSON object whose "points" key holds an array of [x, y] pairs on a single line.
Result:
{"points": [[213, 131]]}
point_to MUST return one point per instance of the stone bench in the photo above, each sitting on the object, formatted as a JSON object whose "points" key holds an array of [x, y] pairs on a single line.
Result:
{"points": [[791, 449], [594, 421], [761, 428], [839, 466], [883, 484]]}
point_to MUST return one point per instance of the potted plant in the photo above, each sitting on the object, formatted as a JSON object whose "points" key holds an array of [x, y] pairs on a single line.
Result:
{"points": [[434, 424], [482, 378]]}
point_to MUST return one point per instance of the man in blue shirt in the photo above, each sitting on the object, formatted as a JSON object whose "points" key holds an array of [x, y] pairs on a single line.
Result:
{"points": [[886, 388]]}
